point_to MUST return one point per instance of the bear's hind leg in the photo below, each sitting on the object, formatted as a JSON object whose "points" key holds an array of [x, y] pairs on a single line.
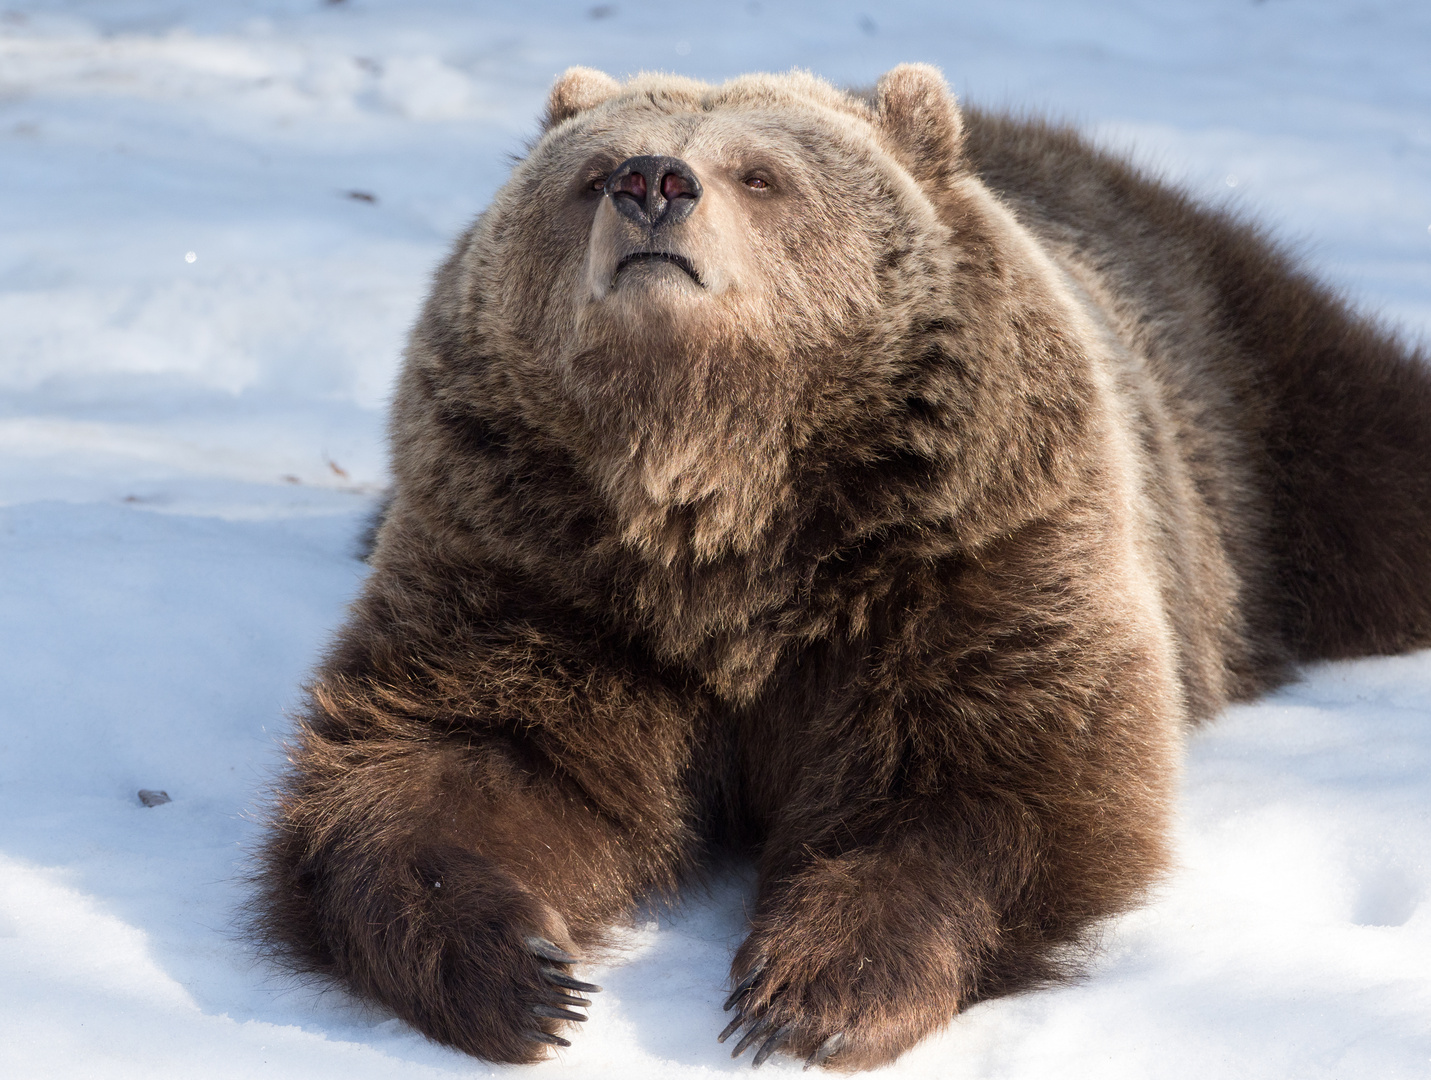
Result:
{"points": [[1348, 448]]}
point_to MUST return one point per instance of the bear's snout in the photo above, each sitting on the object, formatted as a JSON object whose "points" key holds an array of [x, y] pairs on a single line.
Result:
{"points": [[653, 190]]}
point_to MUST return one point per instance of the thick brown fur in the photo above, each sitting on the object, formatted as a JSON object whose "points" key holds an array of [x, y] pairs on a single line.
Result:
{"points": [[896, 539]]}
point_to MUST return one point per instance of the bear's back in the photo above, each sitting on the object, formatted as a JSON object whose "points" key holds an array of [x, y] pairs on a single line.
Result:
{"points": [[1305, 428]]}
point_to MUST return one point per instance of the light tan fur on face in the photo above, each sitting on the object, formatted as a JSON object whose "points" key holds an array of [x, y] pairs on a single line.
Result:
{"points": [[640, 357]]}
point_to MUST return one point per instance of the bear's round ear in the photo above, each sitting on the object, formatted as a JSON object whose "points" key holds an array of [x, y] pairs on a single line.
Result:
{"points": [[914, 106], [579, 89]]}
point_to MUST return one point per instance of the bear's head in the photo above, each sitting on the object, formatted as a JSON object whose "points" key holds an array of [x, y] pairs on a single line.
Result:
{"points": [[719, 313]]}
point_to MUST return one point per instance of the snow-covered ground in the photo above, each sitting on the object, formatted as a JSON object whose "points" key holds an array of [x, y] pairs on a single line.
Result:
{"points": [[217, 220]]}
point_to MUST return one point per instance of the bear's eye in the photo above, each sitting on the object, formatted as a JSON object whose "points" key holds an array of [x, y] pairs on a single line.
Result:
{"points": [[598, 183], [757, 182]]}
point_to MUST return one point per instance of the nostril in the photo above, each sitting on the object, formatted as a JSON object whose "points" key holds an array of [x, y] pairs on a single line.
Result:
{"points": [[675, 186], [663, 190], [633, 184]]}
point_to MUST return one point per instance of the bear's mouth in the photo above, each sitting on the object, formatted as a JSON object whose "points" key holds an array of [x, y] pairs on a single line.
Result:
{"points": [[639, 257]]}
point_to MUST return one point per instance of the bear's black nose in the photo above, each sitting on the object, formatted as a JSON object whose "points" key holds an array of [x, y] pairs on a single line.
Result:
{"points": [[653, 190]]}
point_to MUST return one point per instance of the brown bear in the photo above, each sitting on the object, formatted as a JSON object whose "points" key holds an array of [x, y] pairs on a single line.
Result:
{"points": [[874, 488]]}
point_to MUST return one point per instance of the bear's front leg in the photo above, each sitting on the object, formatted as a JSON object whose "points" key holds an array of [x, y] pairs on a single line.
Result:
{"points": [[448, 841], [440, 881], [964, 794], [862, 944]]}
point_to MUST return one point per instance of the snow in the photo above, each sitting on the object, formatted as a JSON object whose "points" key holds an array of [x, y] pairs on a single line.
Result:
{"points": [[189, 447]]}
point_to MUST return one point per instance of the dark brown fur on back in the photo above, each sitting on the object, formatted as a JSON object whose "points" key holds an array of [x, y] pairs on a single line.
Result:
{"points": [[901, 562], [1314, 418]]}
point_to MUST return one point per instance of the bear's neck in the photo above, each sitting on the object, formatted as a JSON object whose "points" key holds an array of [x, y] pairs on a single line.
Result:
{"points": [[722, 544], [843, 517]]}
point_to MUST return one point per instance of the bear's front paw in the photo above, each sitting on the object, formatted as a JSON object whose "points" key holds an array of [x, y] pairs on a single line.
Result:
{"points": [[771, 1026], [470, 957], [851, 963], [561, 992]]}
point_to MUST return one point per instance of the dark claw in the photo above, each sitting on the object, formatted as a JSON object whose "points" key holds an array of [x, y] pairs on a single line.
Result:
{"points": [[568, 983], [543, 1037], [826, 1050], [568, 999], [757, 1030], [547, 950], [551, 1012], [772, 1044], [744, 984], [730, 1028]]}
